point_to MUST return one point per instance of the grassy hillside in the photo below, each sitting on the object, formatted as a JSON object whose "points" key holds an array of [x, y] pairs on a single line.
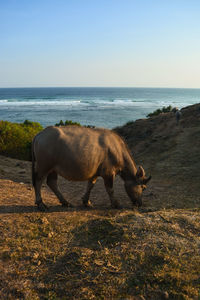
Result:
{"points": [[169, 152], [147, 253]]}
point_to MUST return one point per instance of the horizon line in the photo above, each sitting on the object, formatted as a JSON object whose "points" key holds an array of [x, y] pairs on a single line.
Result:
{"points": [[117, 87]]}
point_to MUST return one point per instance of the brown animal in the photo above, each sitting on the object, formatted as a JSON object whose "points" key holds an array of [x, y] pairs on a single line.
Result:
{"points": [[79, 154]]}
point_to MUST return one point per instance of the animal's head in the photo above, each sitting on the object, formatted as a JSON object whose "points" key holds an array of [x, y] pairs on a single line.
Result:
{"points": [[134, 188]]}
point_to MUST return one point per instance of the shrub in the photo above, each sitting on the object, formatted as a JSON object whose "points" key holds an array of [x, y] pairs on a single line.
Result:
{"points": [[16, 138], [67, 122], [165, 109], [129, 123]]}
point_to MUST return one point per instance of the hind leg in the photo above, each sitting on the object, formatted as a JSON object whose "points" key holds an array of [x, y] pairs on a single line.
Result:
{"points": [[52, 183], [108, 182], [86, 196], [37, 188]]}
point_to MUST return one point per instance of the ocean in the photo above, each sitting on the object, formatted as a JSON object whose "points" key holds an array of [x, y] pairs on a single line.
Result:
{"points": [[102, 107]]}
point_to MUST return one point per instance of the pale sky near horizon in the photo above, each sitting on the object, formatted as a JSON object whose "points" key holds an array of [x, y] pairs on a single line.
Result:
{"points": [[143, 43]]}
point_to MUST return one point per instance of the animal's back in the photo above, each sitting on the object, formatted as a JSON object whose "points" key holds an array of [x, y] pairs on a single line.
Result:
{"points": [[78, 153]]}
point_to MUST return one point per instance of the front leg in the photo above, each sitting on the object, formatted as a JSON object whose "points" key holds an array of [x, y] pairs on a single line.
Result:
{"points": [[86, 196], [108, 182]]}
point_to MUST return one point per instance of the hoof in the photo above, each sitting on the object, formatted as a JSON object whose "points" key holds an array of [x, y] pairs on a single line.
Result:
{"points": [[116, 206], [137, 204], [42, 207], [87, 204], [66, 204]]}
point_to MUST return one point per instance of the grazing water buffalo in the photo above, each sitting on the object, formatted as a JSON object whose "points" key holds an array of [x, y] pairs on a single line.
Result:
{"points": [[79, 154]]}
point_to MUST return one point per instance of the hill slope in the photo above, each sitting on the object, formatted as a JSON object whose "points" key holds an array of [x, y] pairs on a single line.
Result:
{"points": [[170, 152], [150, 253]]}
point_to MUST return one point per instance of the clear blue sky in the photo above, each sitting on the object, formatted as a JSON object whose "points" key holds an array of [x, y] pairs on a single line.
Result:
{"points": [[150, 43]]}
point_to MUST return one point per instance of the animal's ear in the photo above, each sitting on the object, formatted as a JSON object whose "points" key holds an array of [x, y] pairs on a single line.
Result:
{"points": [[144, 187], [140, 172], [147, 180]]}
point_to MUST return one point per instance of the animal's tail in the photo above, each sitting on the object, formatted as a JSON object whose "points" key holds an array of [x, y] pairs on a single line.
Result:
{"points": [[33, 163]]}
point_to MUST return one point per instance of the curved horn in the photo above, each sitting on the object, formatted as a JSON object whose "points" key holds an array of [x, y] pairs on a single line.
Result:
{"points": [[140, 172], [147, 180]]}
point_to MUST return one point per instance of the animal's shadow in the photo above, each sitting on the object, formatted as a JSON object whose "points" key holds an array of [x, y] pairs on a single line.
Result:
{"points": [[23, 209]]}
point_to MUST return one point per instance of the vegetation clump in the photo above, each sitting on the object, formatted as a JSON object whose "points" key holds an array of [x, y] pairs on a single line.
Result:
{"points": [[159, 111], [67, 122], [16, 138]]}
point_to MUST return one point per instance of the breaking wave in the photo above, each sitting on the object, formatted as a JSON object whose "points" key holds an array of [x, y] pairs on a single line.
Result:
{"points": [[68, 102]]}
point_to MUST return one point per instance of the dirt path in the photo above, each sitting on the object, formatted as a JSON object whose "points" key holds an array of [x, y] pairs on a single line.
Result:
{"points": [[17, 195], [16, 192], [169, 152]]}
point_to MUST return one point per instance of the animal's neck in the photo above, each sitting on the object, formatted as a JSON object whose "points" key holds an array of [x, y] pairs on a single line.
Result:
{"points": [[129, 171]]}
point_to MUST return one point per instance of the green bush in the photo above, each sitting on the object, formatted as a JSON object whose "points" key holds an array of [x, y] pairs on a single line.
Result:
{"points": [[165, 109], [67, 122], [16, 138]]}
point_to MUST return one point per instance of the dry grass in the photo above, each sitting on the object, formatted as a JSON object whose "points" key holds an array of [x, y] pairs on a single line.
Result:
{"points": [[151, 253], [96, 254]]}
